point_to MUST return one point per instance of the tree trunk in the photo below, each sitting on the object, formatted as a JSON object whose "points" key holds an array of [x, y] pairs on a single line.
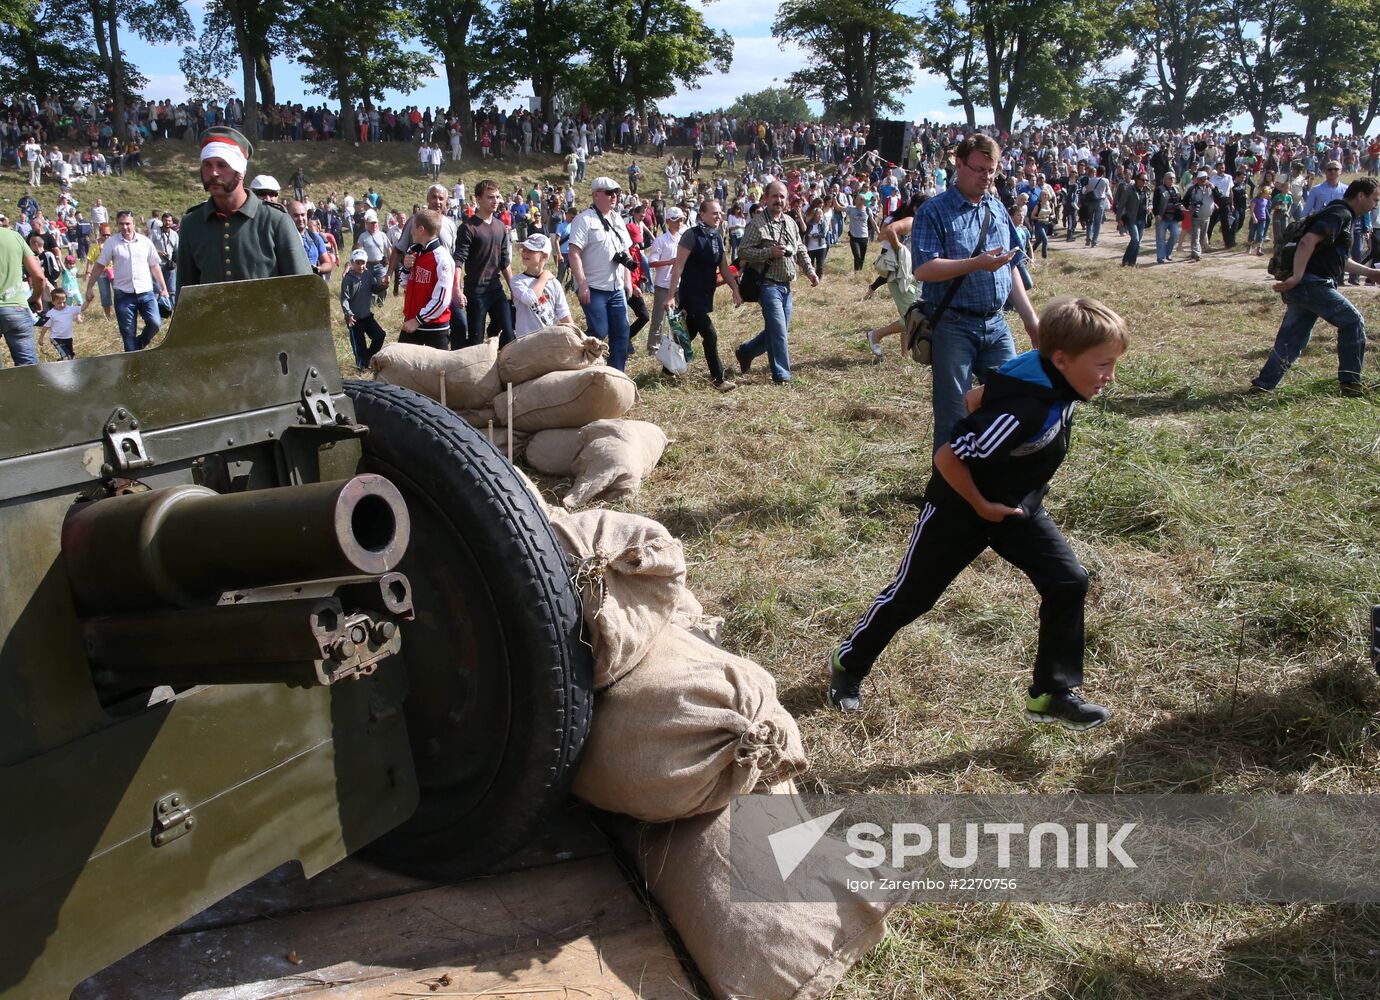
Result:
{"points": [[970, 112], [106, 21], [1310, 128], [349, 127], [251, 97], [263, 72]]}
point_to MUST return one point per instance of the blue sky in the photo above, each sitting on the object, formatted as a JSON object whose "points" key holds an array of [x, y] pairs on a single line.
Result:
{"points": [[759, 61]]}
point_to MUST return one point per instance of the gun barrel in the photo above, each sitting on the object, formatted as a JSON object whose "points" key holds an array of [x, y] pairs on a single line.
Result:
{"points": [[186, 545]]}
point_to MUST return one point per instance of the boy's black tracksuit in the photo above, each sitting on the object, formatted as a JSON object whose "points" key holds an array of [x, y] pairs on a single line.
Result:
{"points": [[1012, 445]]}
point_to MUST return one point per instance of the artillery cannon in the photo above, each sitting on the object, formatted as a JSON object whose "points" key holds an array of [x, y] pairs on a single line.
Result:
{"points": [[254, 615]]}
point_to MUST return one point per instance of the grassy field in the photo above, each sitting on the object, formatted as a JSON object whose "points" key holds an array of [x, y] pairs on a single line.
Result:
{"points": [[1232, 542]]}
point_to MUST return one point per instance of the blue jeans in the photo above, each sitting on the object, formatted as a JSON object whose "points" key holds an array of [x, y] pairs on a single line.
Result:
{"points": [[1095, 225], [1307, 301], [17, 327], [1257, 233], [606, 317], [1133, 229], [170, 279], [129, 306], [776, 320], [1166, 235], [963, 345]]}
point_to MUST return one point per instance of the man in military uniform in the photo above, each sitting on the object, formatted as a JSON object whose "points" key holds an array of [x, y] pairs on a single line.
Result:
{"points": [[234, 236]]}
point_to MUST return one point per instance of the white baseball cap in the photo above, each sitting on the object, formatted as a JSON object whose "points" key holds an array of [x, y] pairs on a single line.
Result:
{"points": [[605, 184], [673, 213], [537, 243], [359, 255], [371, 216], [265, 182]]}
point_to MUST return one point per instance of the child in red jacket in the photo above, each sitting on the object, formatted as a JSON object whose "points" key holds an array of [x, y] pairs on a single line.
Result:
{"points": [[430, 285]]}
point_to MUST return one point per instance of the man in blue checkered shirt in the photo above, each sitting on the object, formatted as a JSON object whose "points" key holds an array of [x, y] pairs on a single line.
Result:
{"points": [[972, 334]]}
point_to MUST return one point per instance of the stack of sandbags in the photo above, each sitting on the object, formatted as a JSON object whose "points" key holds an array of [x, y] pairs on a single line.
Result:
{"points": [[680, 728], [681, 725], [783, 942]]}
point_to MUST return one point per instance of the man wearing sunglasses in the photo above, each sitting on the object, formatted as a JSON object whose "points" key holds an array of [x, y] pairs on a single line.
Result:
{"points": [[970, 334], [1330, 190]]}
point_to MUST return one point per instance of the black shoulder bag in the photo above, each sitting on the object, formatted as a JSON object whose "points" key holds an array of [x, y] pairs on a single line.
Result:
{"points": [[919, 327]]}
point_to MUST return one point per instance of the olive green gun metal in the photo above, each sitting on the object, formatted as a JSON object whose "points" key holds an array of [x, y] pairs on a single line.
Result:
{"points": [[192, 569], [253, 615]]}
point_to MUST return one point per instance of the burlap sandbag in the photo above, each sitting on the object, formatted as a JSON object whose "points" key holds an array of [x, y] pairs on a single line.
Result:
{"points": [[553, 451], [551, 349], [568, 399], [614, 455], [471, 373], [480, 418], [630, 573], [687, 730], [500, 436], [760, 948], [691, 616]]}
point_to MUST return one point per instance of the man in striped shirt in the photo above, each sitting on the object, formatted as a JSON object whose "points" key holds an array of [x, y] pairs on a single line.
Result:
{"points": [[987, 491]]}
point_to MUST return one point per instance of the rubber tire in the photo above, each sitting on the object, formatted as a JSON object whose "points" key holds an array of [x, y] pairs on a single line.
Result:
{"points": [[497, 630]]}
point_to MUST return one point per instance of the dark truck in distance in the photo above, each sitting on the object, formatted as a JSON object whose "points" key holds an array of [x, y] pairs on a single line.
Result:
{"points": [[252, 615]]}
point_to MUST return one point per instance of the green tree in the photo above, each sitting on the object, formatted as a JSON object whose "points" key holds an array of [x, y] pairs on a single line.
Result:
{"points": [[48, 52], [1188, 82], [1324, 47], [353, 51], [152, 20], [542, 36], [774, 104], [465, 34], [243, 36], [859, 52], [1252, 32], [641, 51], [949, 45]]}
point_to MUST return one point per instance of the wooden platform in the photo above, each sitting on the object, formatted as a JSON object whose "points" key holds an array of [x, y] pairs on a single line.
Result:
{"points": [[564, 924]]}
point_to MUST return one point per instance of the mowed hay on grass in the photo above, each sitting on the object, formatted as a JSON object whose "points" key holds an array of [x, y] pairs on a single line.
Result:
{"points": [[1232, 542]]}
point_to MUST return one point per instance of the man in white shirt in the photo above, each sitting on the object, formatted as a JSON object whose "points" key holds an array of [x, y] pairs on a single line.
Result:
{"points": [[599, 244], [661, 259], [100, 215], [137, 273]]}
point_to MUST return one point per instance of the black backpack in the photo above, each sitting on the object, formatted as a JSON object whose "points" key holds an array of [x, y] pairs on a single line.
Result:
{"points": [[1281, 266]]}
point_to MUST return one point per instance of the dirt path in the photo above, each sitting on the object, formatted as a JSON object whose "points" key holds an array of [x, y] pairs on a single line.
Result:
{"points": [[1229, 265]]}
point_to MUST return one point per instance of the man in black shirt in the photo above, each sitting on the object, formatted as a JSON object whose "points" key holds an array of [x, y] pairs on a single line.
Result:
{"points": [[483, 256], [1320, 261]]}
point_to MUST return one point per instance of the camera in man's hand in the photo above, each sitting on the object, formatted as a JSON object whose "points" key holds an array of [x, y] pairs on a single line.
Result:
{"points": [[625, 259]]}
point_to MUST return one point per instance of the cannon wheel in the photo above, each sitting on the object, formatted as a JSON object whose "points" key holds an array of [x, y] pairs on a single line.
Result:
{"points": [[500, 683]]}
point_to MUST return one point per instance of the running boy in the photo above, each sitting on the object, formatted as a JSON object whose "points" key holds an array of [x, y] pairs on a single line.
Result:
{"points": [[987, 491], [539, 297], [56, 323]]}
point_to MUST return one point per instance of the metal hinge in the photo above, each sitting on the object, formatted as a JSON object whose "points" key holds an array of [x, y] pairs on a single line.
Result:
{"points": [[316, 407], [124, 445], [171, 819]]}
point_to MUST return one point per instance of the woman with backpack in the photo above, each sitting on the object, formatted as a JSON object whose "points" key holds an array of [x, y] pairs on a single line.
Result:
{"points": [[1167, 209]]}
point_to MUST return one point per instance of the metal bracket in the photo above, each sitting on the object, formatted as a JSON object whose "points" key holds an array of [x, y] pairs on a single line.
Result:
{"points": [[316, 407], [124, 445], [171, 819]]}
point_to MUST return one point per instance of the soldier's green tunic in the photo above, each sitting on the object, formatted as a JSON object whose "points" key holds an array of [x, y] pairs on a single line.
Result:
{"points": [[254, 241]]}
